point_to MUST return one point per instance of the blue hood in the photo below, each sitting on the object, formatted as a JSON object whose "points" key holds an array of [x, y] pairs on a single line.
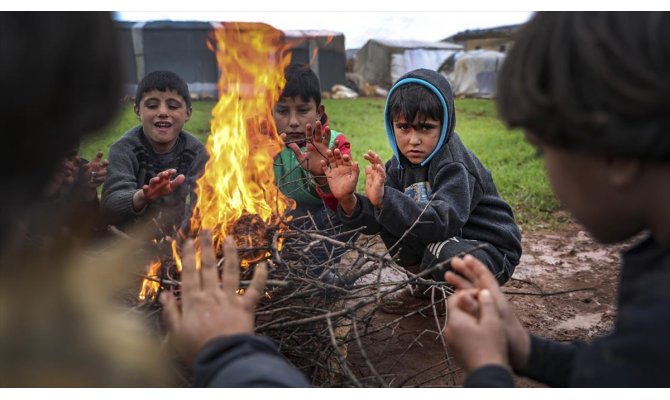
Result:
{"points": [[439, 85]]}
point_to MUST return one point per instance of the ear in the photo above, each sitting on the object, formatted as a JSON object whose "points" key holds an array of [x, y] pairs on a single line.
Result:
{"points": [[189, 111], [320, 110], [137, 112], [623, 172]]}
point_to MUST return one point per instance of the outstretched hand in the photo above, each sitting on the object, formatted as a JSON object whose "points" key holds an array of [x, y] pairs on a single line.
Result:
{"points": [[210, 309], [95, 171], [342, 174], [317, 144], [375, 175], [161, 185], [472, 274]]}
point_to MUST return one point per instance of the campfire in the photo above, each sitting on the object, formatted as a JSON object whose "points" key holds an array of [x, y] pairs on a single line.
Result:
{"points": [[237, 195]]}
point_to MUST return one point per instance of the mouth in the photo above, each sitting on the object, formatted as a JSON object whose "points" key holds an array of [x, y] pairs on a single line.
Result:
{"points": [[163, 125]]}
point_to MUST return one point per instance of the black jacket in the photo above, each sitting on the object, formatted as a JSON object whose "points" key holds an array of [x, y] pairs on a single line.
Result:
{"points": [[635, 354], [244, 361]]}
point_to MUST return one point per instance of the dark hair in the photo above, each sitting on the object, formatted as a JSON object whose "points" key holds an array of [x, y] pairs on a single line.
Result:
{"points": [[162, 81], [61, 78], [592, 81], [302, 81], [414, 99]]}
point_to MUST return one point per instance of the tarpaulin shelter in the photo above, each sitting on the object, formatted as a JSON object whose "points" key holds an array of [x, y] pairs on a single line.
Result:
{"points": [[473, 73], [323, 51], [178, 46], [382, 62], [181, 47]]}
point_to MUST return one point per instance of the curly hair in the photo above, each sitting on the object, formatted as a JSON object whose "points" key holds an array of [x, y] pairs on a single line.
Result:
{"points": [[595, 82]]}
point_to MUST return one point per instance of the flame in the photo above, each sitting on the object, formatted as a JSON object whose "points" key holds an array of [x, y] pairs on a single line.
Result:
{"points": [[239, 178], [237, 194], [151, 284]]}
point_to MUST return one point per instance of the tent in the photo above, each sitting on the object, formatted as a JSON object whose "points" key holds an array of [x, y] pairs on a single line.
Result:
{"points": [[178, 46], [382, 62], [323, 51], [181, 46], [473, 73]]}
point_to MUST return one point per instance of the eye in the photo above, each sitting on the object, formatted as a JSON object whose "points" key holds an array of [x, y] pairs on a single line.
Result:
{"points": [[281, 110], [402, 127], [174, 105]]}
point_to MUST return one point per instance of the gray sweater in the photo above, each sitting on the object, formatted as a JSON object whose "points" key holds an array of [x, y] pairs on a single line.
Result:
{"points": [[133, 162]]}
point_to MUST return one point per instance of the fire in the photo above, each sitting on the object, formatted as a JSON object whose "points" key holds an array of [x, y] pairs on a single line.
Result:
{"points": [[237, 194], [151, 284]]}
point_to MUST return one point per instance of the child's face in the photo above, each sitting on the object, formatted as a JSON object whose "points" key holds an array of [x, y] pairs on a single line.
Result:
{"points": [[163, 115], [590, 187], [416, 140], [292, 114]]}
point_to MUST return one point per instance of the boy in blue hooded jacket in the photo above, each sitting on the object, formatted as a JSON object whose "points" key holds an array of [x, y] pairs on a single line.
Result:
{"points": [[434, 195]]}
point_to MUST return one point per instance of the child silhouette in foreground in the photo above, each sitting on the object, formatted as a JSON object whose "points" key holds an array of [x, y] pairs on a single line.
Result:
{"points": [[591, 92]]}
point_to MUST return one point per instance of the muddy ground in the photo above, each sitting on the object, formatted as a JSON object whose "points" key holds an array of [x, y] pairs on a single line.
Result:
{"points": [[563, 289]]}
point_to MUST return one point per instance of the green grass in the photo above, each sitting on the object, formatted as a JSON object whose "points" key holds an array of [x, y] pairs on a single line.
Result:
{"points": [[518, 174]]}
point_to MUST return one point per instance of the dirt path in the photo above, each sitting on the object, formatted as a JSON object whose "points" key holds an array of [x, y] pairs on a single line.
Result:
{"points": [[563, 289]]}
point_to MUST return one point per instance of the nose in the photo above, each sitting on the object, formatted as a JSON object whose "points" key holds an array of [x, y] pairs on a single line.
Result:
{"points": [[163, 110], [414, 138], [293, 120]]}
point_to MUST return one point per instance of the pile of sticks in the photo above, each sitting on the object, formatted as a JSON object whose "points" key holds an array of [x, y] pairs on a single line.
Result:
{"points": [[325, 313]]}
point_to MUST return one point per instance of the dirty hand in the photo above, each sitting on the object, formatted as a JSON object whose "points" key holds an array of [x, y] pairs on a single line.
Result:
{"points": [[161, 185], [342, 174], [96, 171], [479, 339], [375, 175], [317, 142], [209, 309], [474, 274]]}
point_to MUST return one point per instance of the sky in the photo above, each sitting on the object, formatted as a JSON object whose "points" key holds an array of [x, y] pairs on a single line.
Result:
{"points": [[357, 26]]}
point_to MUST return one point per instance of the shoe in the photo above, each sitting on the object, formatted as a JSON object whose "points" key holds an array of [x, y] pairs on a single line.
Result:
{"points": [[404, 302]]}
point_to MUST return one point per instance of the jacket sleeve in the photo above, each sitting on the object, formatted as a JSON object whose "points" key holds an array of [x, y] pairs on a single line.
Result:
{"points": [[550, 362], [244, 360], [119, 187], [489, 376], [363, 215], [344, 146], [455, 195]]}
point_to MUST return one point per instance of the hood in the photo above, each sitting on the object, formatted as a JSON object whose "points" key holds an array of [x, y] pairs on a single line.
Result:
{"points": [[439, 85]]}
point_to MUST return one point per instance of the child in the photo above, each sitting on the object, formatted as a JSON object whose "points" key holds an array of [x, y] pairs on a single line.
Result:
{"points": [[590, 89], [433, 187], [142, 178], [303, 123], [73, 187]]}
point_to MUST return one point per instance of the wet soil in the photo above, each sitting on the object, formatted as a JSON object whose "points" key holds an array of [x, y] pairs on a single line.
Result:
{"points": [[563, 289]]}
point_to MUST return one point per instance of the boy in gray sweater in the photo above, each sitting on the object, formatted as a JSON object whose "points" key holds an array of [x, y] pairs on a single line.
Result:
{"points": [[153, 167], [434, 199]]}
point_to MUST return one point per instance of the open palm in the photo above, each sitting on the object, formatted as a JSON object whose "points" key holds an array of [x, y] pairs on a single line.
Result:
{"points": [[375, 175], [342, 174]]}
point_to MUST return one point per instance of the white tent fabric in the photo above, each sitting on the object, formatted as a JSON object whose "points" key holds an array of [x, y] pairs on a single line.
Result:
{"points": [[382, 62], [475, 73], [410, 60]]}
